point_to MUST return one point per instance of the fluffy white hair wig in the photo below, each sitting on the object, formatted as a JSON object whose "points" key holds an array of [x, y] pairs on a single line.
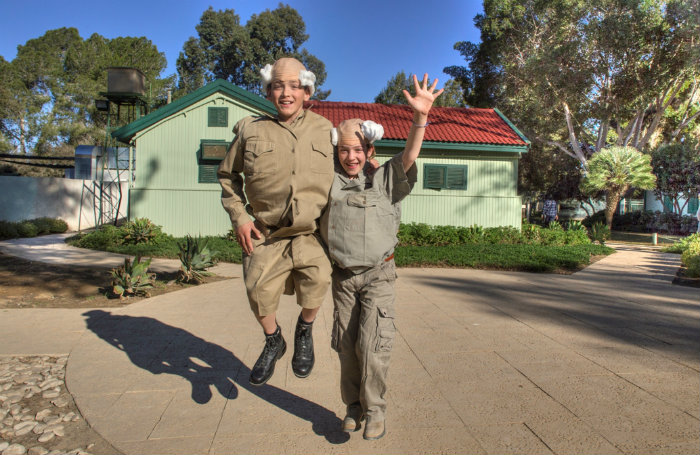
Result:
{"points": [[307, 78], [372, 131]]}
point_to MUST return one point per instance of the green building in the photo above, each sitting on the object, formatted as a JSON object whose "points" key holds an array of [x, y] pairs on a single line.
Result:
{"points": [[467, 170]]}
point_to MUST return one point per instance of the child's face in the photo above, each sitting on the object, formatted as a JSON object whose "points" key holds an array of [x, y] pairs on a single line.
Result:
{"points": [[288, 96], [352, 155]]}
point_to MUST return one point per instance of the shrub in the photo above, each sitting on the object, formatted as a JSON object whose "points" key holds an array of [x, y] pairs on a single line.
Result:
{"points": [[140, 230], [132, 278], [27, 229], [691, 257], [599, 232], [103, 239], [195, 258], [43, 225], [8, 230]]}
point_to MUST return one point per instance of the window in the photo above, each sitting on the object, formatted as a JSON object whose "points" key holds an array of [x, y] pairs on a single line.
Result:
{"points": [[693, 205], [218, 116], [668, 205], [207, 173], [211, 152], [439, 176]]}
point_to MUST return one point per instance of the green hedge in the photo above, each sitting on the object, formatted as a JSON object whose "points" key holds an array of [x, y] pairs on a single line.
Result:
{"points": [[531, 258], [31, 228]]}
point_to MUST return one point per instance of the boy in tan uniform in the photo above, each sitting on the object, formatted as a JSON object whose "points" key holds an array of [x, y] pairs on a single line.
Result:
{"points": [[360, 227], [287, 162]]}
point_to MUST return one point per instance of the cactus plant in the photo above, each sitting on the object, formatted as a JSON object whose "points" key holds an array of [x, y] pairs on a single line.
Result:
{"points": [[195, 258], [132, 278]]}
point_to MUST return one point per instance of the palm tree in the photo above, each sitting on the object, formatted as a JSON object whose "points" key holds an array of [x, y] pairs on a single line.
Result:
{"points": [[615, 170]]}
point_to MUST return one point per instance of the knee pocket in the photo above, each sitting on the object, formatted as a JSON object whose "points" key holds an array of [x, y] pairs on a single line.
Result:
{"points": [[335, 333], [386, 330]]}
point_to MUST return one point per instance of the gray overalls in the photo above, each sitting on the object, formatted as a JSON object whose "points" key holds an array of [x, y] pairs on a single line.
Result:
{"points": [[360, 227]]}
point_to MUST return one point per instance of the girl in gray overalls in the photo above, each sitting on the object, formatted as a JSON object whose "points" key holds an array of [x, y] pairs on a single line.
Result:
{"points": [[360, 227]]}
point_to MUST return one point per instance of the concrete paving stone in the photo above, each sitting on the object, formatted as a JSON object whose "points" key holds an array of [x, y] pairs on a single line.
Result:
{"points": [[513, 438], [602, 396], [417, 441], [495, 402], [171, 446], [548, 363], [469, 366], [186, 418], [133, 416], [646, 427], [264, 443], [679, 389], [680, 448], [563, 432], [95, 405]]}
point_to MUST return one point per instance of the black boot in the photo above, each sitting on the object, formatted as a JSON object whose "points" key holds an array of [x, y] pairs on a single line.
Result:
{"points": [[275, 347], [303, 360]]}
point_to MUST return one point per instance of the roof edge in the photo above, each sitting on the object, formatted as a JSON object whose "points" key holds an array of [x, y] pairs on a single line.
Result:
{"points": [[127, 132], [462, 146], [513, 127]]}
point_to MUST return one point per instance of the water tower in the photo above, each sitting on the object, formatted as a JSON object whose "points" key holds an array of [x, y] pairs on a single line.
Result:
{"points": [[123, 102]]}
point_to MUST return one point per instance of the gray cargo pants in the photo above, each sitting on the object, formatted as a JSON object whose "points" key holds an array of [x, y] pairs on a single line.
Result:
{"points": [[363, 334]]}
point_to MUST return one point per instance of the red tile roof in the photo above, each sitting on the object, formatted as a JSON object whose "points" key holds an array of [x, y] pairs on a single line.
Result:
{"points": [[447, 124]]}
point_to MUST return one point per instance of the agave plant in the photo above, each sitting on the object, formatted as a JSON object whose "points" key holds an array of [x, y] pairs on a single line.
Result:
{"points": [[574, 225], [132, 278], [195, 258], [599, 233], [140, 230]]}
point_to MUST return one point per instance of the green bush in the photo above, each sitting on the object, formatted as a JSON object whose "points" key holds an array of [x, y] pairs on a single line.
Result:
{"points": [[8, 230], [104, 238], [27, 229], [599, 232], [140, 230], [532, 258], [690, 257]]}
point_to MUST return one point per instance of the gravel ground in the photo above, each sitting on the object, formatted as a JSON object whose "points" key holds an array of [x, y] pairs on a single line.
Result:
{"points": [[37, 414]]}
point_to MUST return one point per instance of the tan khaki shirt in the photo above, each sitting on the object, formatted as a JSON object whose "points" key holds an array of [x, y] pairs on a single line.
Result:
{"points": [[363, 215], [287, 171]]}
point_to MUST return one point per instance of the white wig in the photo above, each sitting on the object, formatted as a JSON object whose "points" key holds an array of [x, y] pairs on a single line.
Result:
{"points": [[372, 131], [306, 78]]}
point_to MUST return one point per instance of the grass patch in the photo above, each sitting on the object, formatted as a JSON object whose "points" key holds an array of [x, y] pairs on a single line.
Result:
{"points": [[528, 258]]}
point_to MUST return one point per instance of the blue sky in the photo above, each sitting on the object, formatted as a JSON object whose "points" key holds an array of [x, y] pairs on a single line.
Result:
{"points": [[363, 43]]}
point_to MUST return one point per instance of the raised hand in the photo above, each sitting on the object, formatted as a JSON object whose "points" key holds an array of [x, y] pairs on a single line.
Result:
{"points": [[425, 96]]}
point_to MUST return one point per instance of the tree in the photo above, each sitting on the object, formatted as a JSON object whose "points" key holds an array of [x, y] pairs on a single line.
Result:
{"points": [[392, 93], [615, 170], [677, 170], [579, 75], [225, 49], [47, 92]]}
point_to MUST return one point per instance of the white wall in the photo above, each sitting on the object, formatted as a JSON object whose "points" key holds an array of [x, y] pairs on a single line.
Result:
{"points": [[77, 202], [654, 204]]}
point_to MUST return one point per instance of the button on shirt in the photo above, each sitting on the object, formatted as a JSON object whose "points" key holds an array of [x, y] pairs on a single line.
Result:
{"points": [[287, 170], [363, 215]]}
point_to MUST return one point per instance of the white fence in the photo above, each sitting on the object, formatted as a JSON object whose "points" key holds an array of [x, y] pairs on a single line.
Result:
{"points": [[80, 203]]}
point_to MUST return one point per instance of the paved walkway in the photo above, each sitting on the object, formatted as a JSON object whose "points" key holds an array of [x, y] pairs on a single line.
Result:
{"points": [[602, 361]]}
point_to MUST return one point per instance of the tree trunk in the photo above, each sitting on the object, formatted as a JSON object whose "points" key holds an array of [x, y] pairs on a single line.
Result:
{"points": [[612, 198]]}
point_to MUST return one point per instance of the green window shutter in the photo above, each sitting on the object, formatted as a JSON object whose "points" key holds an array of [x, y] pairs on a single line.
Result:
{"points": [[457, 177], [434, 176], [668, 205], [438, 176], [218, 116], [693, 205], [207, 173]]}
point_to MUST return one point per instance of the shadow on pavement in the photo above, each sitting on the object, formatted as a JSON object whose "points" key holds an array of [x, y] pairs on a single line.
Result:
{"points": [[161, 348]]}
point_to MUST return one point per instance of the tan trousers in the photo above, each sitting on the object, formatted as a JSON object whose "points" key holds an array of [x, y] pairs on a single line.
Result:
{"points": [[363, 334], [291, 265]]}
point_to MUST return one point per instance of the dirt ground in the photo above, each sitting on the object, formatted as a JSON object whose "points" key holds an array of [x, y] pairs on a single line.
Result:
{"points": [[27, 284]]}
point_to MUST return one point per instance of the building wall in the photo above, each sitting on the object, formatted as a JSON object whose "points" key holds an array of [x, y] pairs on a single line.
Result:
{"points": [[652, 203], [166, 188], [77, 202], [490, 199]]}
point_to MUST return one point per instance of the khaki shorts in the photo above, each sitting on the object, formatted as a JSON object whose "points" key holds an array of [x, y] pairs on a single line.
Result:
{"points": [[291, 265]]}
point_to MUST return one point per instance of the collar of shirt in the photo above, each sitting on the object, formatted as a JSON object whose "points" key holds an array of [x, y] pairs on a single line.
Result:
{"points": [[357, 184]]}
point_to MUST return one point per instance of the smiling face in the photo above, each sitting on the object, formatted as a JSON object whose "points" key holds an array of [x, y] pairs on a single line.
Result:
{"points": [[352, 155], [285, 90]]}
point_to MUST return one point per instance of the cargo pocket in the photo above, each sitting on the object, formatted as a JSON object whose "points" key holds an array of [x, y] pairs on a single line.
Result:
{"points": [[335, 333], [386, 330]]}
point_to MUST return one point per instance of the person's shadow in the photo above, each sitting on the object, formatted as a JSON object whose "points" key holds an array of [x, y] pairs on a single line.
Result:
{"points": [[161, 348]]}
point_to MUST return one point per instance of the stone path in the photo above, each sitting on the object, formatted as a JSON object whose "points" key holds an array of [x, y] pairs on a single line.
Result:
{"points": [[602, 361]]}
